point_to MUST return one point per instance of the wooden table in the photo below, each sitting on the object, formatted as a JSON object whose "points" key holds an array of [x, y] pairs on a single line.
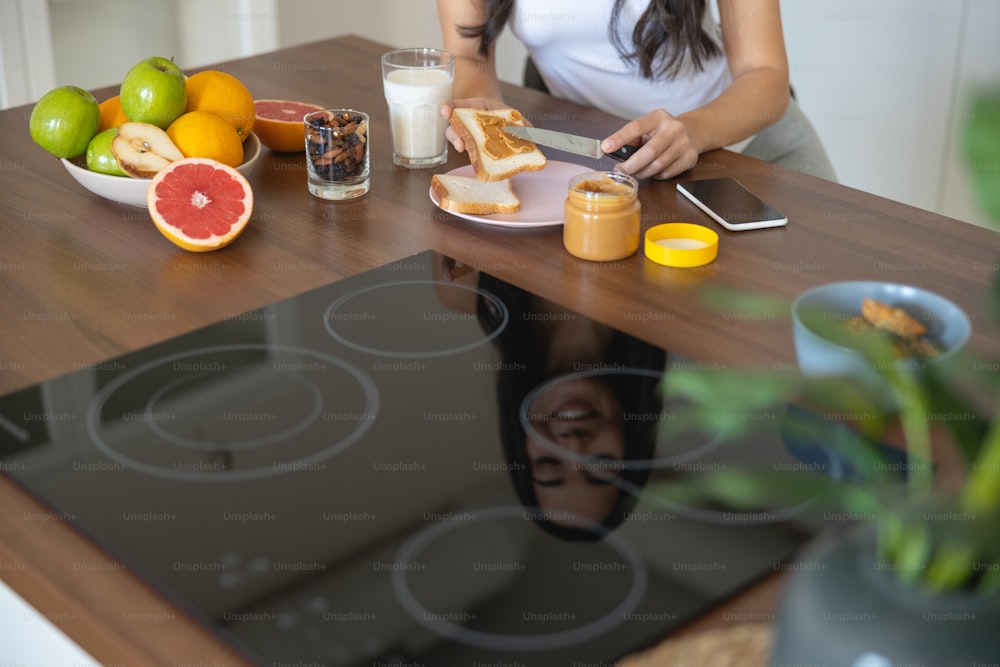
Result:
{"points": [[83, 280]]}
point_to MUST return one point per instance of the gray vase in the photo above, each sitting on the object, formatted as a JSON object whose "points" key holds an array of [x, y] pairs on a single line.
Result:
{"points": [[841, 609]]}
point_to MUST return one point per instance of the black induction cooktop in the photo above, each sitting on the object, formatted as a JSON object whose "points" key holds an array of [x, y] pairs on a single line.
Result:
{"points": [[419, 465]]}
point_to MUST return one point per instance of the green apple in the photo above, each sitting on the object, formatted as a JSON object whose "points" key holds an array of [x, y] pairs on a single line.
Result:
{"points": [[154, 91], [99, 155], [64, 121]]}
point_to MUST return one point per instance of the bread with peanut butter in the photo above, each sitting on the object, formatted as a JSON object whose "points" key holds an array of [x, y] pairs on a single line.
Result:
{"points": [[464, 194], [495, 155]]}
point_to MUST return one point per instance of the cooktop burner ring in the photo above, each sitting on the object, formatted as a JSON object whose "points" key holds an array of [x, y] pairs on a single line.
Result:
{"points": [[253, 443], [366, 385], [411, 549], [493, 303]]}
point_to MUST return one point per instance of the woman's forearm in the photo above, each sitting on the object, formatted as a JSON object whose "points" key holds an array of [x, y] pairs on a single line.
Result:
{"points": [[754, 43], [755, 100], [475, 77], [475, 72]]}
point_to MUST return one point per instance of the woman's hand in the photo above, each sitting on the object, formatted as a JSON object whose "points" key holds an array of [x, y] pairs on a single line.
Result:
{"points": [[484, 103], [666, 147]]}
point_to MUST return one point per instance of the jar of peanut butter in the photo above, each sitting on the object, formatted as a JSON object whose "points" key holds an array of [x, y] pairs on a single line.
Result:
{"points": [[602, 216]]}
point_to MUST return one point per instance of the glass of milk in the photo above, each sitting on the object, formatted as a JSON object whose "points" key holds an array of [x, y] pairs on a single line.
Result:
{"points": [[417, 82]]}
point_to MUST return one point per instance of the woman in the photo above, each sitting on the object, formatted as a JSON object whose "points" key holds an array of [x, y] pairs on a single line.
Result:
{"points": [[688, 84]]}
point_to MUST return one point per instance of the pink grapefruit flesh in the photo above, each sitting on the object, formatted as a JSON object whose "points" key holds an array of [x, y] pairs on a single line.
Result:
{"points": [[200, 204], [279, 124]]}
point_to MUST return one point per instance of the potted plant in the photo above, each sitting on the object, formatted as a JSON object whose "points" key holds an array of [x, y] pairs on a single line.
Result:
{"points": [[916, 580]]}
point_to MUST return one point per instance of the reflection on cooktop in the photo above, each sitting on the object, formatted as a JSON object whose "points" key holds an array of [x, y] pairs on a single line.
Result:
{"points": [[419, 465], [232, 412]]}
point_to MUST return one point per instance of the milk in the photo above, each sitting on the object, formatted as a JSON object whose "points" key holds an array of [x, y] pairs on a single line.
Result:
{"points": [[414, 97]]}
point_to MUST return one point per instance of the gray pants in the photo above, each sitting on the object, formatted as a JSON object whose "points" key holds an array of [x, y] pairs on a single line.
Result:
{"points": [[792, 143]]}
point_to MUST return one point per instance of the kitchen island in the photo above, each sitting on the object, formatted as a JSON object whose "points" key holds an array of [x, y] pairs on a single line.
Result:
{"points": [[84, 281]]}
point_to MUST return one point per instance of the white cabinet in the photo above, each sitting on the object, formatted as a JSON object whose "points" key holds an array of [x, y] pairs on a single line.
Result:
{"points": [[30, 639]]}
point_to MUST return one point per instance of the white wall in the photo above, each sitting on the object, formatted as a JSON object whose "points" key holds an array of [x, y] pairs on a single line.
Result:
{"points": [[979, 67], [885, 82], [400, 23], [97, 41]]}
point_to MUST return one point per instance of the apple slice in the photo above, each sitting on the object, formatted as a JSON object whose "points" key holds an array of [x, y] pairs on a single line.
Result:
{"points": [[143, 149]]}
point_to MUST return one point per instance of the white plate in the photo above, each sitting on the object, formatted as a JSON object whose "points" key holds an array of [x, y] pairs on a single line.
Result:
{"points": [[132, 191], [542, 194]]}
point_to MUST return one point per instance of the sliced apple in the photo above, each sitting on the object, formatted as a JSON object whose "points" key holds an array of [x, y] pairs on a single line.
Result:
{"points": [[143, 149]]}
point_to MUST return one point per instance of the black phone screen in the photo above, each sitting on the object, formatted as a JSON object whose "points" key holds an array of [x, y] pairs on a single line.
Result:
{"points": [[731, 204]]}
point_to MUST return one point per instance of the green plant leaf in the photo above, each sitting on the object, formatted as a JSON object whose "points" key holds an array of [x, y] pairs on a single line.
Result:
{"points": [[730, 402], [936, 547], [989, 582], [913, 552], [982, 130], [982, 488], [952, 566], [996, 299], [946, 405], [760, 489], [744, 302], [981, 145], [810, 435]]}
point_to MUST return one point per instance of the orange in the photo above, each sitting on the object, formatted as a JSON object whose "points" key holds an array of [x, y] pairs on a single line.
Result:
{"points": [[203, 134], [199, 204], [224, 95], [111, 113], [279, 124]]}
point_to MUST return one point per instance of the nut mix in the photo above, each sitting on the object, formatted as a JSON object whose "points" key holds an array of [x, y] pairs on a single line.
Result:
{"points": [[337, 145]]}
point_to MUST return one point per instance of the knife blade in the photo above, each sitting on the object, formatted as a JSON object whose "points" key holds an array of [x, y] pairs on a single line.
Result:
{"points": [[571, 143]]}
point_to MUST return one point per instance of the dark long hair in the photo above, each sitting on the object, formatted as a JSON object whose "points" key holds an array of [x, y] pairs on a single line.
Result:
{"points": [[523, 345], [668, 35]]}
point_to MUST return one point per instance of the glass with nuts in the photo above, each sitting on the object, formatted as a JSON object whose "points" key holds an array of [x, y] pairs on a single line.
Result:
{"points": [[337, 153]]}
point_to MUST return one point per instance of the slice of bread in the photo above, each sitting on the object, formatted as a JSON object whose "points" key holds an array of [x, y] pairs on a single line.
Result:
{"points": [[464, 194], [495, 155]]}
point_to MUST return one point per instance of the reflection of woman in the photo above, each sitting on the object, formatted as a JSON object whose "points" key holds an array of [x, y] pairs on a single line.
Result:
{"points": [[569, 467]]}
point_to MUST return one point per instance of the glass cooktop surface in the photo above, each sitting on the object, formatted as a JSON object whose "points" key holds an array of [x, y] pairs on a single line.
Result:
{"points": [[419, 465]]}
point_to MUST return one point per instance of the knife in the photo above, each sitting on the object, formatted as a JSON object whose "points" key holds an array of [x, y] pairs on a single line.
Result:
{"points": [[570, 143]]}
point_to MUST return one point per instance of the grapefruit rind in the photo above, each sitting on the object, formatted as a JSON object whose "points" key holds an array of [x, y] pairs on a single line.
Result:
{"points": [[279, 124], [200, 204]]}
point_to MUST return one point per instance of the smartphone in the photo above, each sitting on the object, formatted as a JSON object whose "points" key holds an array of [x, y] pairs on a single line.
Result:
{"points": [[730, 204]]}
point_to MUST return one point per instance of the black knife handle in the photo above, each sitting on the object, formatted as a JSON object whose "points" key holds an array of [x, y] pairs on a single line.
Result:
{"points": [[623, 153]]}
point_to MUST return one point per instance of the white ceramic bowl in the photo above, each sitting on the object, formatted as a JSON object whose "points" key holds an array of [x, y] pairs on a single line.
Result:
{"points": [[818, 312], [132, 191]]}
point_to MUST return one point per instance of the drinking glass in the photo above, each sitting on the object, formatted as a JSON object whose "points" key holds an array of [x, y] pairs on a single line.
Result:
{"points": [[337, 153], [417, 81]]}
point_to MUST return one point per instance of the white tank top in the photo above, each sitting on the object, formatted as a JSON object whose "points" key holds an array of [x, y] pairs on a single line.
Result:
{"points": [[568, 40]]}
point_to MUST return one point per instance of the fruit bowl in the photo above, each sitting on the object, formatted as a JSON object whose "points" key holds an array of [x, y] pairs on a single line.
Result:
{"points": [[132, 191], [826, 345]]}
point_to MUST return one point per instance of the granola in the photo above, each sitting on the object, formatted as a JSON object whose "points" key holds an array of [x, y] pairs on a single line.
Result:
{"points": [[907, 335]]}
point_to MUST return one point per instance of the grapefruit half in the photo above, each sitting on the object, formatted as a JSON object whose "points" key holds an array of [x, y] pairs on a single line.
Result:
{"points": [[200, 204], [279, 124]]}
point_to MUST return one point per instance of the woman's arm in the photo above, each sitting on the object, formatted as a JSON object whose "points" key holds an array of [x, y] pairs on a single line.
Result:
{"points": [[475, 74], [476, 82], [755, 49]]}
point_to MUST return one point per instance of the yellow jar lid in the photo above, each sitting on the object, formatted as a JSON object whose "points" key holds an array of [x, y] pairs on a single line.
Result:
{"points": [[681, 244]]}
